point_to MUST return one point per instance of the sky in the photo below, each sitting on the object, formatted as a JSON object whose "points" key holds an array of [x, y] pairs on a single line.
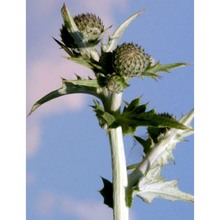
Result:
{"points": [[67, 151]]}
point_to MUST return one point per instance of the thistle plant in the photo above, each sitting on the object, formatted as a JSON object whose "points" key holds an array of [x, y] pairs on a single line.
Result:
{"points": [[114, 66]]}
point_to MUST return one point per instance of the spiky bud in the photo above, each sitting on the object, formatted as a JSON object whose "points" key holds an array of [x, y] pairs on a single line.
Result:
{"points": [[90, 26], [130, 60], [115, 83]]}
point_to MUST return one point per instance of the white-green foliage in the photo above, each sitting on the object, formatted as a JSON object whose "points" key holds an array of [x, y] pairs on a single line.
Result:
{"points": [[147, 175], [153, 186]]}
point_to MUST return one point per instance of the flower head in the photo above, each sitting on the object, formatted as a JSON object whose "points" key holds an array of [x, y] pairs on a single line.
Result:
{"points": [[90, 27], [130, 60]]}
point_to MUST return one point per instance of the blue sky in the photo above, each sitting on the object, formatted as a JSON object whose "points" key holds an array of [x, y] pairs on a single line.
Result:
{"points": [[67, 151]]}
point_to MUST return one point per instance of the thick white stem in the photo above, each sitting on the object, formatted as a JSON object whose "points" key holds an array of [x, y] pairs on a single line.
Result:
{"points": [[119, 174], [119, 169]]}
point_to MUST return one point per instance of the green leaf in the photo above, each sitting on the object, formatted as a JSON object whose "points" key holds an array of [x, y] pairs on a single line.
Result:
{"points": [[135, 115], [133, 105], [81, 61], [86, 86], [152, 71], [114, 39], [64, 47], [76, 57], [104, 117], [107, 192], [146, 144], [153, 186]]}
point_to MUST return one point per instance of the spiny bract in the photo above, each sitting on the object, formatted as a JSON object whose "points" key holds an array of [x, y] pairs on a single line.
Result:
{"points": [[130, 60]]}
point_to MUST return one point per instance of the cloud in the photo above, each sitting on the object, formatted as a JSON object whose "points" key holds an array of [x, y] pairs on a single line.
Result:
{"points": [[86, 210], [46, 203], [44, 76], [49, 202], [104, 9], [33, 137]]}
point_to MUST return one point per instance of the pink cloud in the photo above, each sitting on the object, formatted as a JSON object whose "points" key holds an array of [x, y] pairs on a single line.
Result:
{"points": [[49, 202], [44, 76], [104, 9], [87, 210], [33, 136]]}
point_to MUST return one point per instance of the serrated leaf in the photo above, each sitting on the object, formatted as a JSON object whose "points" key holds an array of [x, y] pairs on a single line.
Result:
{"points": [[85, 86], [161, 153], [81, 61], [104, 117], [109, 119], [76, 57], [114, 39], [107, 192], [152, 71], [135, 115], [146, 144], [133, 104], [64, 47], [153, 186]]}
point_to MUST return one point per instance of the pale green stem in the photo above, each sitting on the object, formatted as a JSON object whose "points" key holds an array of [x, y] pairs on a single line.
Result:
{"points": [[119, 170], [119, 174]]}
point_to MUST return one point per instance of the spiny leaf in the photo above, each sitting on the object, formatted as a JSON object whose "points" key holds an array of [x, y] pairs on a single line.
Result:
{"points": [[152, 71], [80, 60], [135, 115], [155, 134], [103, 116], [153, 186], [77, 58], [85, 86], [146, 144], [134, 105], [107, 192], [118, 33], [71, 53], [161, 153]]}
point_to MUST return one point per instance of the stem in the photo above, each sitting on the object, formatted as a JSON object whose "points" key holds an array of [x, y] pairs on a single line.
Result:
{"points": [[119, 174], [119, 170]]}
